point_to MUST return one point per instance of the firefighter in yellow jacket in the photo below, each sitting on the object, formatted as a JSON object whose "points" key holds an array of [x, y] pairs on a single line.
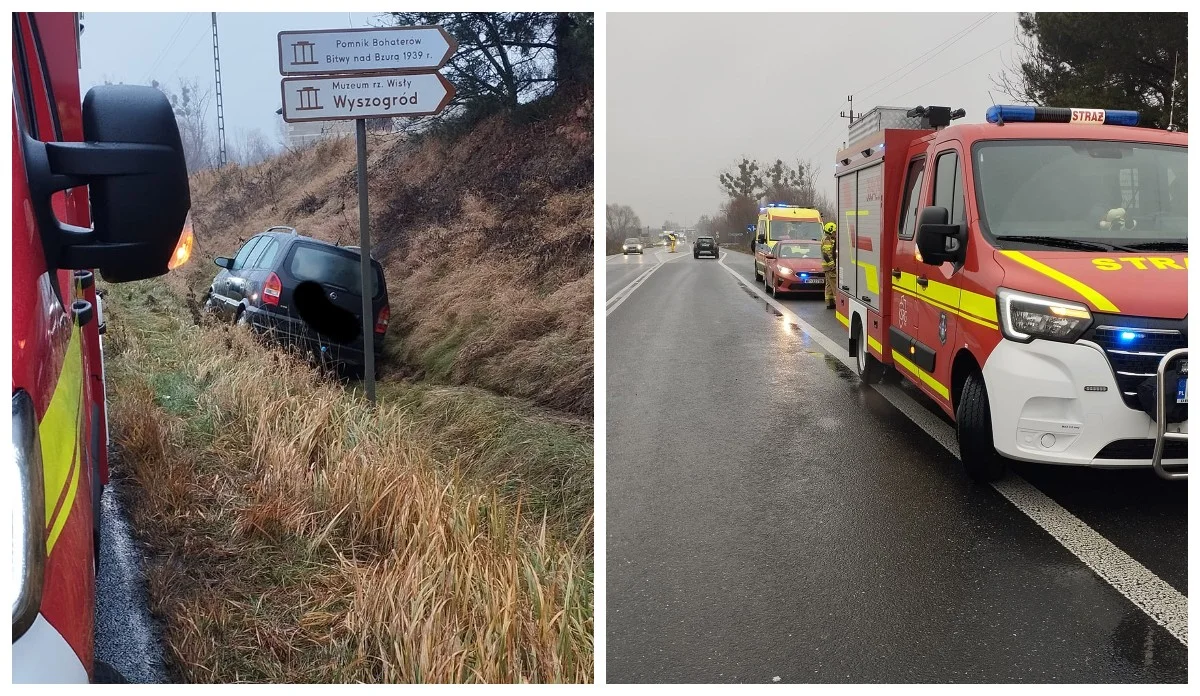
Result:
{"points": [[829, 261]]}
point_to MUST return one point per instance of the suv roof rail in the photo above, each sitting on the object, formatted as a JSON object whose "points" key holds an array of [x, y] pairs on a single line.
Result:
{"points": [[292, 230]]}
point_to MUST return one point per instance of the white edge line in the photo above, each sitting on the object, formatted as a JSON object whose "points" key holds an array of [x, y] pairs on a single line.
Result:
{"points": [[623, 294], [1159, 600]]}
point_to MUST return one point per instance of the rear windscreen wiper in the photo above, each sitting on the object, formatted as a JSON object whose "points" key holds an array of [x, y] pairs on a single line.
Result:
{"points": [[1160, 246], [1064, 242]]}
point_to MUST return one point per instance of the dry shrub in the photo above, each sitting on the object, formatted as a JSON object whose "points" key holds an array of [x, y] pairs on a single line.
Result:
{"points": [[299, 536]]}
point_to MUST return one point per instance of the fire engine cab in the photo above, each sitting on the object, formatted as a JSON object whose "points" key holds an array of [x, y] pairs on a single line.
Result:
{"points": [[1029, 275], [98, 185]]}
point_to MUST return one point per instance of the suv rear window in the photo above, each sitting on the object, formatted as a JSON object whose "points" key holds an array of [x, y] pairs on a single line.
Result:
{"points": [[331, 267]]}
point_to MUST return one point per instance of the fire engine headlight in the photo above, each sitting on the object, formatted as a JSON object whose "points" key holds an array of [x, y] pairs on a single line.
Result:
{"points": [[1024, 317], [28, 515], [784, 270]]}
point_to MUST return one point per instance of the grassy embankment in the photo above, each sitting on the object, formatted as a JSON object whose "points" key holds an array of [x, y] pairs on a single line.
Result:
{"points": [[296, 535]]}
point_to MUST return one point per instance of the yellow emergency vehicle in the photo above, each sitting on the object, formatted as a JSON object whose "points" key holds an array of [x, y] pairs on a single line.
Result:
{"points": [[778, 221]]}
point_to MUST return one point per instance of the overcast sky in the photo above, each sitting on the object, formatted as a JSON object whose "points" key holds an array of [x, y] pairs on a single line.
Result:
{"points": [[690, 94], [136, 47]]}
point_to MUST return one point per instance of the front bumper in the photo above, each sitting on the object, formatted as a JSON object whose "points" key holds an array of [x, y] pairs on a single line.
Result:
{"points": [[42, 656], [629, 250], [792, 283], [1041, 411]]}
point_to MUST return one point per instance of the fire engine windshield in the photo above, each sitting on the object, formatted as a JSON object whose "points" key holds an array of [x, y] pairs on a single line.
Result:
{"points": [[1076, 192], [795, 229]]}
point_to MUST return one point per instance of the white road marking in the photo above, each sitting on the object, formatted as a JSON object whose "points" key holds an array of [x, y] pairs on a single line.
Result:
{"points": [[1164, 604], [623, 294]]}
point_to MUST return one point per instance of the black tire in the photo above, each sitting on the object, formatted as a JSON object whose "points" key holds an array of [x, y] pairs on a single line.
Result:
{"points": [[868, 368], [976, 446], [757, 276], [241, 318]]}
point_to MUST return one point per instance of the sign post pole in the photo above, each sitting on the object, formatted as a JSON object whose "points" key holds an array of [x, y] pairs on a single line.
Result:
{"points": [[364, 243], [356, 74]]}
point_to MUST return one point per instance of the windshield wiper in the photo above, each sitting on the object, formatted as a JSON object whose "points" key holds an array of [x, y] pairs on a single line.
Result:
{"points": [[1065, 243], [1159, 246]]}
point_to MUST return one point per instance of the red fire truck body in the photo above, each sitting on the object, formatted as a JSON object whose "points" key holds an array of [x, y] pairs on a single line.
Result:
{"points": [[1028, 277], [59, 420]]}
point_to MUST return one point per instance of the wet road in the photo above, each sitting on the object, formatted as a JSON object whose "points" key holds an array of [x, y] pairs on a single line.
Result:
{"points": [[622, 269], [128, 638], [771, 518]]}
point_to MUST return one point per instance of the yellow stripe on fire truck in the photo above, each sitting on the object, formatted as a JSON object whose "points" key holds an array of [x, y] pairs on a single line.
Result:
{"points": [[59, 435], [972, 306], [1100, 302]]}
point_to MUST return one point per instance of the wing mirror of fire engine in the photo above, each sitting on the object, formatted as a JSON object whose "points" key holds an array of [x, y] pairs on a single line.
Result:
{"points": [[761, 239], [132, 162], [937, 240], [224, 262]]}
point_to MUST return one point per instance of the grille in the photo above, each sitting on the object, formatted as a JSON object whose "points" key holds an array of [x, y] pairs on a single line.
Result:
{"points": [[1142, 449], [1133, 362]]}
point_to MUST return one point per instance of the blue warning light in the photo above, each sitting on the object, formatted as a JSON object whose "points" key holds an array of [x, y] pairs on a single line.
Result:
{"points": [[1129, 336], [1016, 113]]}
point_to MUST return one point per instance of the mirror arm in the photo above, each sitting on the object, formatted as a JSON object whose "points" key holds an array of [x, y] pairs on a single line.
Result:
{"points": [[86, 160]]}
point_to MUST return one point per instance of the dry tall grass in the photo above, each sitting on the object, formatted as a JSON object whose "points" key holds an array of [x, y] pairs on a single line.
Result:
{"points": [[299, 537], [486, 242]]}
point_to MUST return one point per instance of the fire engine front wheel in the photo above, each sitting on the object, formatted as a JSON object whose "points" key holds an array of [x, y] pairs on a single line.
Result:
{"points": [[975, 443]]}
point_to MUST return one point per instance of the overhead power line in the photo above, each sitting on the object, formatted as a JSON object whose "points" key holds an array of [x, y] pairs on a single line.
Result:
{"points": [[940, 50], [1009, 40], [924, 58], [953, 37], [167, 49]]}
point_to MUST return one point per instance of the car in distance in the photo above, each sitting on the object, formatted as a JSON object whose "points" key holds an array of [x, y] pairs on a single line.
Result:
{"points": [[304, 293], [633, 245], [793, 265], [705, 246]]}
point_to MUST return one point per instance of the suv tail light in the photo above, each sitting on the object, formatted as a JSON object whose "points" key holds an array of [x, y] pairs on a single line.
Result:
{"points": [[381, 322], [271, 290]]}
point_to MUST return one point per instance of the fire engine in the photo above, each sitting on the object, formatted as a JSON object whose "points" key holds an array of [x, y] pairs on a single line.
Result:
{"points": [[1028, 275], [781, 221], [99, 185]]}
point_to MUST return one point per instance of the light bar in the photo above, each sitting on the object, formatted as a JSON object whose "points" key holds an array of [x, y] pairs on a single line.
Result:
{"points": [[1055, 114]]}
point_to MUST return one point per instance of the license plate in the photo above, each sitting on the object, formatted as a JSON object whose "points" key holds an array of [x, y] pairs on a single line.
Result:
{"points": [[815, 281], [1182, 393]]}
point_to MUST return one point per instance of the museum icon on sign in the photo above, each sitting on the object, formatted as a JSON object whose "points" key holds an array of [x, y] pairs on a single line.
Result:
{"points": [[303, 54], [306, 98]]}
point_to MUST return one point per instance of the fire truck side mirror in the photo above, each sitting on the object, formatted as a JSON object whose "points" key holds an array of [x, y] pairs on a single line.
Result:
{"points": [[133, 165], [937, 240]]}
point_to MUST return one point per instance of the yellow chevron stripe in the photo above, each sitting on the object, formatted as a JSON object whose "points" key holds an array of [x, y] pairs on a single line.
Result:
{"points": [[1100, 302], [872, 273], [59, 435], [842, 318], [921, 374], [873, 342]]}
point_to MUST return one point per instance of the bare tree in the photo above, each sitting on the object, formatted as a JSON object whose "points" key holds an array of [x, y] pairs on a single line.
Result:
{"points": [[191, 113]]}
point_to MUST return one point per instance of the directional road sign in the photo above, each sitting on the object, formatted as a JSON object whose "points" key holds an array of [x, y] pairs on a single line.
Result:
{"points": [[364, 96], [377, 49]]}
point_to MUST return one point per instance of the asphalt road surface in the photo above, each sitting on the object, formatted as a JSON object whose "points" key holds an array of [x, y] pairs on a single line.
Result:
{"points": [[770, 518], [128, 638]]}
